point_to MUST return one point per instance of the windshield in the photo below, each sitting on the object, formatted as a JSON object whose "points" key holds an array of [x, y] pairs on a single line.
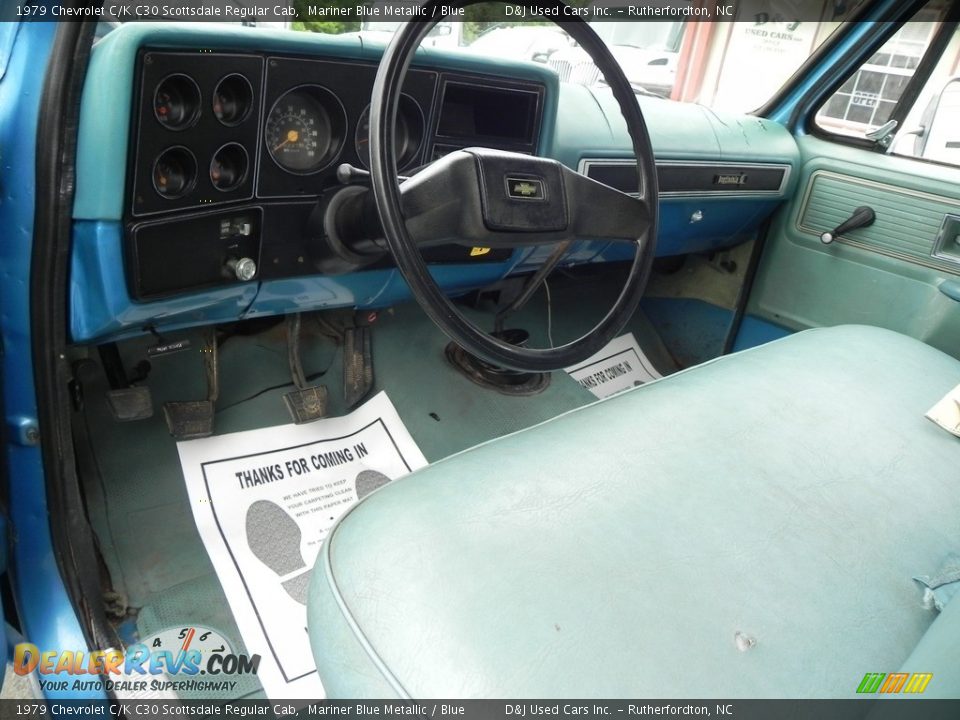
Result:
{"points": [[643, 35], [382, 25], [732, 63]]}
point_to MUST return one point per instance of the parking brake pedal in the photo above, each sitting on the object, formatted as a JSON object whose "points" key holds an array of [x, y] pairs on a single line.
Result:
{"points": [[191, 419], [307, 402]]}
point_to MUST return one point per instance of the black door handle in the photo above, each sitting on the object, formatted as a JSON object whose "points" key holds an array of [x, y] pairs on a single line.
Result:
{"points": [[862, 217]]}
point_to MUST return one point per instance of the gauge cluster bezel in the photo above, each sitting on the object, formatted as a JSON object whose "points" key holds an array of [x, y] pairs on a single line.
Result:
{"points": [[203, 136]]}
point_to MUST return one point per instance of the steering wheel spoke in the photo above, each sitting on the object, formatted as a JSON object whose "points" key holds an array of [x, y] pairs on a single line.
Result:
{"points": [[605, 213]]}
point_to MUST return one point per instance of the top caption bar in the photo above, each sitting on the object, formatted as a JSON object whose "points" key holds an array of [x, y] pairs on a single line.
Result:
{"points": [[376, 11]]}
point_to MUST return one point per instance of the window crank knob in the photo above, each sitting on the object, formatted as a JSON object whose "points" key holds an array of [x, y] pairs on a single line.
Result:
{"points": [[862, 217]]}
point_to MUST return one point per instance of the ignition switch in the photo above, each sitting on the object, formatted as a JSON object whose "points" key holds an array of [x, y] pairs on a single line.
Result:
{"points": [[243, 269]]}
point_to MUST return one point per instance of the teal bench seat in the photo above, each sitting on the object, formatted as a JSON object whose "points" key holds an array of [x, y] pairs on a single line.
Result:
{"points": [[746, 528]]}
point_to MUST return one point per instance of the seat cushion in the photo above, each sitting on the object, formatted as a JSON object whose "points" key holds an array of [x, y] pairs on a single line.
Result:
{"points": [[746, 528]]}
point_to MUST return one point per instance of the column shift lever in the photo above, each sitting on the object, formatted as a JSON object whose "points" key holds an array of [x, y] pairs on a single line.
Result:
{"points": [[862, 217]]}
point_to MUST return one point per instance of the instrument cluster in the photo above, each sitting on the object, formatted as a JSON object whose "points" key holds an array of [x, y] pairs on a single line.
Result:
{"points": [[231, 153]]}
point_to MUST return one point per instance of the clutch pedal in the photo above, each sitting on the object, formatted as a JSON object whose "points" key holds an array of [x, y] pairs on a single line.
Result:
{"points": [[127, 400], [131, 403]]}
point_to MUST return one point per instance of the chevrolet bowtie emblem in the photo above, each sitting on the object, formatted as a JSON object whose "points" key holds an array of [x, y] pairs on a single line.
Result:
{"points": [[525, 188]]}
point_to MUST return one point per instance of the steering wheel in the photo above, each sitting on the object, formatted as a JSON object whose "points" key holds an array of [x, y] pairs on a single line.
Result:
{"points": [[492, 198]]}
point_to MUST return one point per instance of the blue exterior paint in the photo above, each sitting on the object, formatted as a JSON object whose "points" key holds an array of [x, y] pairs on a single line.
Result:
{"points": [[8, 33], [47, 616]]}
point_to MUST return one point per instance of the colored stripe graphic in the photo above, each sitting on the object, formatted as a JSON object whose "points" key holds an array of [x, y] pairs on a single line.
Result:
{"points": [[918, 682], [893, 683]]}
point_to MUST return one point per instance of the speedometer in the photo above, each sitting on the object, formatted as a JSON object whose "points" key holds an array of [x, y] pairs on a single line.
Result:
{"points": [[305, 129]]}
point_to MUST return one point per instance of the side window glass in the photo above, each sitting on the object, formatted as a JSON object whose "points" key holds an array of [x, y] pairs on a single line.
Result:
{"points": [[931, 130], [865, 104], [867, 99]]}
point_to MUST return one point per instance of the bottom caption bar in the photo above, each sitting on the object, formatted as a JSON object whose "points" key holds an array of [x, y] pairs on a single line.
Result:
{"points": [[914, 709]]}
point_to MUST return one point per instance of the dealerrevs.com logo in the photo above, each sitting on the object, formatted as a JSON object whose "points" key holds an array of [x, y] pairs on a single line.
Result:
{"points": [[182, 653]]}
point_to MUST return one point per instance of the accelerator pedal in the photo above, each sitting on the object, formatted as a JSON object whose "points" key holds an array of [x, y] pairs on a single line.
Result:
{"points": [[307, 402], [192, 419], [357, 365]]}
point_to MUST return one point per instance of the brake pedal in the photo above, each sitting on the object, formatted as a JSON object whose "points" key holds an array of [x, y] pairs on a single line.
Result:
{"points": [[357, 365], [191, 419], [307, 402]]}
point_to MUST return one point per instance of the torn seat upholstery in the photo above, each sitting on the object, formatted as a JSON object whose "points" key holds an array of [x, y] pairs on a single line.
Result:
{"points": [[746, 528]]}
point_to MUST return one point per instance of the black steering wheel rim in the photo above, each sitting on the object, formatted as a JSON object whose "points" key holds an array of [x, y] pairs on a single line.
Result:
{"points": [[383, 170]]}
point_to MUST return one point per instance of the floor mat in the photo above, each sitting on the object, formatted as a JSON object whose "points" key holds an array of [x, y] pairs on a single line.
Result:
{"points": [[137, 499]]}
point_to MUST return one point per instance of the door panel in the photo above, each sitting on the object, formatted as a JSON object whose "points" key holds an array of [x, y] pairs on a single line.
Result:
{"points": [[908, 221], [887, 274]]}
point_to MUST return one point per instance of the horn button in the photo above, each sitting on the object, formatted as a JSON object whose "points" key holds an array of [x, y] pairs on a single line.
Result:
{"points": [[520, 193]]}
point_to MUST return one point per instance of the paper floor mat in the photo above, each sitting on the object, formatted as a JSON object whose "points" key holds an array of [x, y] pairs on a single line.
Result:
{"points": [[263, 501]]}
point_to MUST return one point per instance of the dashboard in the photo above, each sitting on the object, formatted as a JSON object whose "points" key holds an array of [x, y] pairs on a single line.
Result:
{"points": [[204, 153]]}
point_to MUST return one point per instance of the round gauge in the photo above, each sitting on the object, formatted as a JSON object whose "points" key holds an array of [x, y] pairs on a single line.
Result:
{"points": [[232, 100], [174, 172], [176, 102], [228, 168], [408, 138], [305, 129], [189, 637]]}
